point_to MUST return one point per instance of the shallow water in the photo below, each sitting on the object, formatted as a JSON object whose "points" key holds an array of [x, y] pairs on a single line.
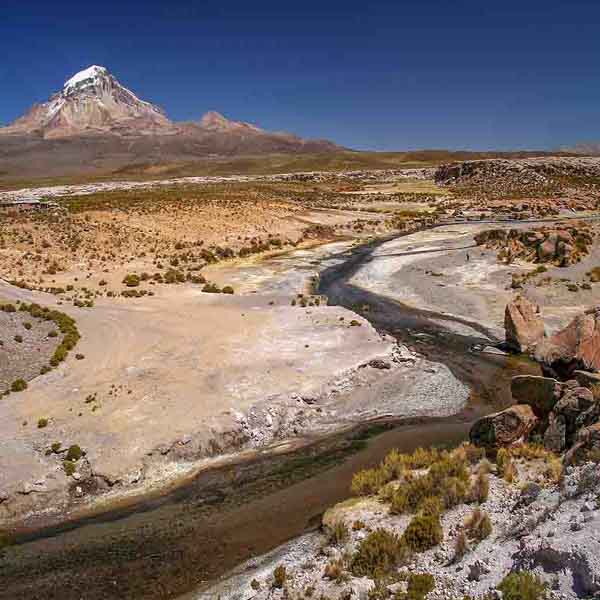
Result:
{"points": [[169, 546]]}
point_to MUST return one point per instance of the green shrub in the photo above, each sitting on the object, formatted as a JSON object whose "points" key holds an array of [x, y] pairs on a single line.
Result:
{"points": [[131, 280], [432, 506], [174, 276], [474, 453], [279, 576], [211, 288], [453, 491], [379, 553], [423, 532], [523, 586], [339, 532], [411, 494], [74, 453], [227, 290], [461, 546], [69, 467], [419, 585], [481, 487], [368, 482], [43, 422], [502, 459], [334, 570], [479, 525], [18, 385]]}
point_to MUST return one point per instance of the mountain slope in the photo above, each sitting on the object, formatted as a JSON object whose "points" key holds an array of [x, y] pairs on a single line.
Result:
{"points": [[91, 100], [96, 124]]}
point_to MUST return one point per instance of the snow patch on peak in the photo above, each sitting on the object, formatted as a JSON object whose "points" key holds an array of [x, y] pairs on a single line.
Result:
{"points": [[92, 72]]}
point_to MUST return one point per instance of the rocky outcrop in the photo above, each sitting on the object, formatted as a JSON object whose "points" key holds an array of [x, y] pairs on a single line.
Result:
{"points": [[504, 428], [562, 410], [535, 172], [562, 246], [576, 347], [523, 325]]}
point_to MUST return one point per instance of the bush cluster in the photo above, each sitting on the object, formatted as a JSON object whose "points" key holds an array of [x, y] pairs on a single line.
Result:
{"points": [[379, 553], [523, 585]]}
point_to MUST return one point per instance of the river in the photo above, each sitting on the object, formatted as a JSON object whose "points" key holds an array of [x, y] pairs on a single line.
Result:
{"points": [[167, 546]]}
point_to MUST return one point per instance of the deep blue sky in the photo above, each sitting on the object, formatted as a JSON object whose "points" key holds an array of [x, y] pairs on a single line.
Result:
{"points": [[375, 75]]}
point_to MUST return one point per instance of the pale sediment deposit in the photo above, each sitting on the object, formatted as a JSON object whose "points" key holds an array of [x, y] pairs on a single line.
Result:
{"points": [[184, 376]]}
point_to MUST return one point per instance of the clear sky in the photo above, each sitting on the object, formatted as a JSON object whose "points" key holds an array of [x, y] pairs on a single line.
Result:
{"points": [[377, 74]]}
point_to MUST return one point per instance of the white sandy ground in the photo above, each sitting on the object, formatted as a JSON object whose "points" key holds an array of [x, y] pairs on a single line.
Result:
{"points": [[184, 375], [429, 270], [401, 269], [58, 191]]}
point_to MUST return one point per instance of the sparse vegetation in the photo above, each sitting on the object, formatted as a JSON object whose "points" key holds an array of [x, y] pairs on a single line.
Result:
{"points": [[523, 585], [478, 525], [378, 554], [279, 576], [423, 532], [18, 385]]}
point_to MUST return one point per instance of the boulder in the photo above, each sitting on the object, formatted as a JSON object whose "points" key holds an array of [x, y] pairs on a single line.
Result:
{"points": [[504, 428], [546, 250], [523, 325], [555, 436], [576, 347], [590, 436], [574, 402], [541, 393], [588, 417]]}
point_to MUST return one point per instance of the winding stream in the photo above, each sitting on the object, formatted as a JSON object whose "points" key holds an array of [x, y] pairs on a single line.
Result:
{"points": [[167, 546]]}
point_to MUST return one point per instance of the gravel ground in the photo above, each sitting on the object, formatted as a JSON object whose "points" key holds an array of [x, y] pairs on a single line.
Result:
{"points": [[554, 531], [23, 360]]}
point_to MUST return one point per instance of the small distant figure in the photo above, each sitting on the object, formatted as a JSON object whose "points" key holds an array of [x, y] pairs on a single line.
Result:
{"points": [[468, 257]]}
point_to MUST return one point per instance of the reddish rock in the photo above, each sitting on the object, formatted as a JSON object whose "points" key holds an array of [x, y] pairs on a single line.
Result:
{"points": [[504, 428], [577, 346], [523, 325]]}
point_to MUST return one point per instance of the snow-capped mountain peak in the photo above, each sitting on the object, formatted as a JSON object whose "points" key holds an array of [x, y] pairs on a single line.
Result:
{"points": [[93, 110], [86, 77], [93, 101]]}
